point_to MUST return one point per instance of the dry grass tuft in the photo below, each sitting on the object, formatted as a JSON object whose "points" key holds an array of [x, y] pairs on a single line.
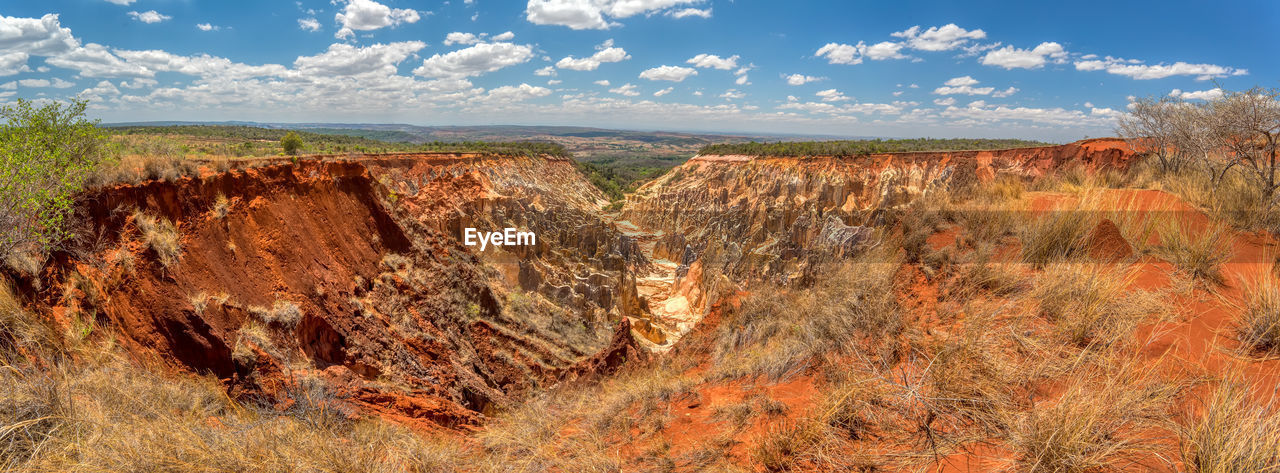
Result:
{"points": [[1090, 304], [1103, 421], [1057, 235], [1233, 433], [161, 236], [1259, 327], [1199, 256]]}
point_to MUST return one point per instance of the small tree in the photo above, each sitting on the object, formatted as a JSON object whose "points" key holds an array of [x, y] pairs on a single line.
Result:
{"points": [[1150, 127], [45, 155], [1248, 126], [291, 143]]}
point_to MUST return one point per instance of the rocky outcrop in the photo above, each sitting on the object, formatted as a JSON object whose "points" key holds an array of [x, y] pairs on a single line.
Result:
{"points": [[775, 217]]}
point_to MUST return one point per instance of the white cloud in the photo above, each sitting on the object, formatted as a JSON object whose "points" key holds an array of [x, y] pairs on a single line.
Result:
{"points": [[1211, 94], [591, 14], [841, 53], [884, 50], [94, 60], [309, 24], [11, 85], [517, 93], [671, 73], [475, 60], [625, 89], [545, 71], [347, 60], [44, 36], [688, 12], [605, 52], [13, 63], [1010, 57], [947, 102], [936, 38], [555, 82], [367, 15], [139, 83], [149, 16], [457, 37], [732, 94], [800, 79], [663, 91], [208, 27], [963, 85], [712, 61], [1135, 69], [741, 80], [124, 3], [505, 36], [1005, 93], [603, 82], [832, 95]]}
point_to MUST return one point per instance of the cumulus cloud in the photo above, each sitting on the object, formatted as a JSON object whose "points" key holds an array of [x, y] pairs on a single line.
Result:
{"points": [[938, 38], [149, 16], [545, 71], [124, 3], [56, 83], [837, 53], [460, 38], [670, 73], [309, 24], [592, 14], [1010, 57], [711, 61], [517, 93], [800, 79], [44, 36], [663, 91], [13, 63], [688, 12], [368, 15], [475, 60], [1136, 69], [346, 60], [947, 102], [602, 82], [1211, 94], [208, 27], [605, 52], [963, 85], [1005, 93], [832, 95], [628, 90], [732, 94]]}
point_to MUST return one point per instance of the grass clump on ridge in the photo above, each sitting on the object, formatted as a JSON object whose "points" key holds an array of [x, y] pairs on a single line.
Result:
{"points": [[1259, 326], [161, 236], [1091, 304], [1233, 433]]}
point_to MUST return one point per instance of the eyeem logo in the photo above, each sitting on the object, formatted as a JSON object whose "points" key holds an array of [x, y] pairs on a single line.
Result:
{"points": [[506, 237]]}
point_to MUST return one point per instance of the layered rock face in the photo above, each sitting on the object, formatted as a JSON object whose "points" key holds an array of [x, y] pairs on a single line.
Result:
{"points": [[352, 277], [773, 217]]}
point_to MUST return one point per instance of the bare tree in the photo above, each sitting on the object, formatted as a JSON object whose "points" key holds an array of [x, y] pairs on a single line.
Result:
{"points": [[1247, 125], [1151, 126]]}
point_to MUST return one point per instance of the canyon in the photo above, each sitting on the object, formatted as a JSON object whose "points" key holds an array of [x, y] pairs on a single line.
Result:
{"points": [[350, 272]]}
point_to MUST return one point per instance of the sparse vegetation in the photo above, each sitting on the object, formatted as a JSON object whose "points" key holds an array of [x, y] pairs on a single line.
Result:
{"points": [[1232, 432], [862, 147], [1259, 326], [161, 236]]}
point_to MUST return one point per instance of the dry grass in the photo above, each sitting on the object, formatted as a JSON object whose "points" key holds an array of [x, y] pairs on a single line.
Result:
{"points": [[1259, 326], [1233, 433], [161, 236], [1104, 421], [1199, 256], [777, 333], [1091, 305], [221, 205], [284, 313], [1058, 234]]}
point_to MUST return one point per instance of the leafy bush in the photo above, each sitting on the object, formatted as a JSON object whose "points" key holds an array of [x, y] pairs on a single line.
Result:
{"points": [[46, 154], [291, 143]]}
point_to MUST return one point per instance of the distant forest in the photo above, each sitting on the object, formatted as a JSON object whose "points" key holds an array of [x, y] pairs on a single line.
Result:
{"points": [[863, 147], [248, 141]]}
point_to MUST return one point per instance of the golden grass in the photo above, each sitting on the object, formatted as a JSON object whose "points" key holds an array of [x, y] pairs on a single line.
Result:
{"points": [[1058, 234], [1105, 420], [1091, 305], [1199, 256], [1259, 326], [159, 234], [1233, 433]]}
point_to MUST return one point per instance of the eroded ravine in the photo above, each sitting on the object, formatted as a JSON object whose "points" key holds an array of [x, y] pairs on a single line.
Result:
{"points": [[352, 273]]}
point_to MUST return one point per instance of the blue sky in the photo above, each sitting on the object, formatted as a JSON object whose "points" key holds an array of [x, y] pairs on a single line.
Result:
{"points": [[1048, 70]]}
